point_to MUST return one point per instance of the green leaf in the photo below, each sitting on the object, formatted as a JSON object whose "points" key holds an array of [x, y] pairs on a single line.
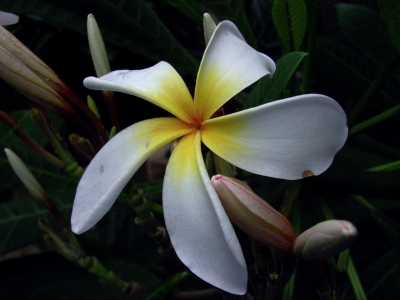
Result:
{"points": [[290, 19], [190, 8], [266, 89], [150, 188], [348, 172], [392, 166], [56, 182], [130, 25], [366, 30], [160, 291], [232, 10], [388, 226], [355, 281], [375, 120], [390, 10], [19, 218], [381, 276], [336, 66]]}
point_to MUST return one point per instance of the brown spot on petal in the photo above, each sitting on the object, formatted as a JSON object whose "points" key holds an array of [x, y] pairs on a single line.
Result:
{"points": [[101, 169], [307, 173]]}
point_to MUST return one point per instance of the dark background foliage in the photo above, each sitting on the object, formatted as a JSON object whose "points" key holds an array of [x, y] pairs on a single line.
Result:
{"points": [[354, 43]]}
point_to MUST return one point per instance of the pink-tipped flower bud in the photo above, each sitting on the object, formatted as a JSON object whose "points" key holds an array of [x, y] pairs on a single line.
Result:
{"points": [[324, 240], [252, 214]]}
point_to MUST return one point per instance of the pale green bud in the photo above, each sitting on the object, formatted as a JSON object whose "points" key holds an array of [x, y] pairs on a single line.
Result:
{"points": [[209, 27], [97, 48], [23, 173]]}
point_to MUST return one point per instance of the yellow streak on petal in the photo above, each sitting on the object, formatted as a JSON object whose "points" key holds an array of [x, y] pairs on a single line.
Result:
{"points": [[173, 95], [159, 131], [187, 159], [213, 89], [221, 136]]}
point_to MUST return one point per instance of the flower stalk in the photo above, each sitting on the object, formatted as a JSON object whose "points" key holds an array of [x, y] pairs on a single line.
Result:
{"points": [[146, 219], [83, 144], [74, 253], [23, 136], [66, 245], [40, 118]]}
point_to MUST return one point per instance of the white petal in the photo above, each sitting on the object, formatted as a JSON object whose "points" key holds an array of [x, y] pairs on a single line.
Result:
{"points": [[229, 65], [159, 84], [8, 18], [200, 231], [290, 139], [116, 163]]}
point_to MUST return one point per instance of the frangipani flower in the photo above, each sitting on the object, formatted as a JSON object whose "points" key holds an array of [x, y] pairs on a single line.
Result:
{"points": [[281, 139]]}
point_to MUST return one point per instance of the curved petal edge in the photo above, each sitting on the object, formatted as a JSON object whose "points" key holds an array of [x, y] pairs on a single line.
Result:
{"points": [[200, 231]]}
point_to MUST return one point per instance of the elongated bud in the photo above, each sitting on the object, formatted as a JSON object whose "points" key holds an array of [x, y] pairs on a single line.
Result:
{"points": [[97, 49], [209, 27], [324, 240], [252, 214], [9, 42], [8, 18], [92, 106], [23, 173], [34, 187], [20, 77], [101, 65]]}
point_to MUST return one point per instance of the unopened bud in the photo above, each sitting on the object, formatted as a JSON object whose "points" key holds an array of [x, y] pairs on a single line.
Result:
{"points": [[209, 27], [23, 173], [8, 18], [20, 77], [9, 42], [324, 240], [252, 214], [97, 48]]}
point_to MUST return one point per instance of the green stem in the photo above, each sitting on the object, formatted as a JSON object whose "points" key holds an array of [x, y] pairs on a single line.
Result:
{"points": [[74, 253], [290, 197], [146, 219], [21, 134], [41, 119]]}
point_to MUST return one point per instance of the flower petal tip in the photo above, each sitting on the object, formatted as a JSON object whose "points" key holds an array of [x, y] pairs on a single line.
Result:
{"points": [[324, 240]]}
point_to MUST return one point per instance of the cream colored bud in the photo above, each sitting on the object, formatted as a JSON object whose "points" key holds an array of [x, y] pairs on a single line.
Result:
{"points": [[23, 173], [97, 48], [252, 214], [25, 81], [8, 18], [9, 42], [324, 240], [209, 27]]}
